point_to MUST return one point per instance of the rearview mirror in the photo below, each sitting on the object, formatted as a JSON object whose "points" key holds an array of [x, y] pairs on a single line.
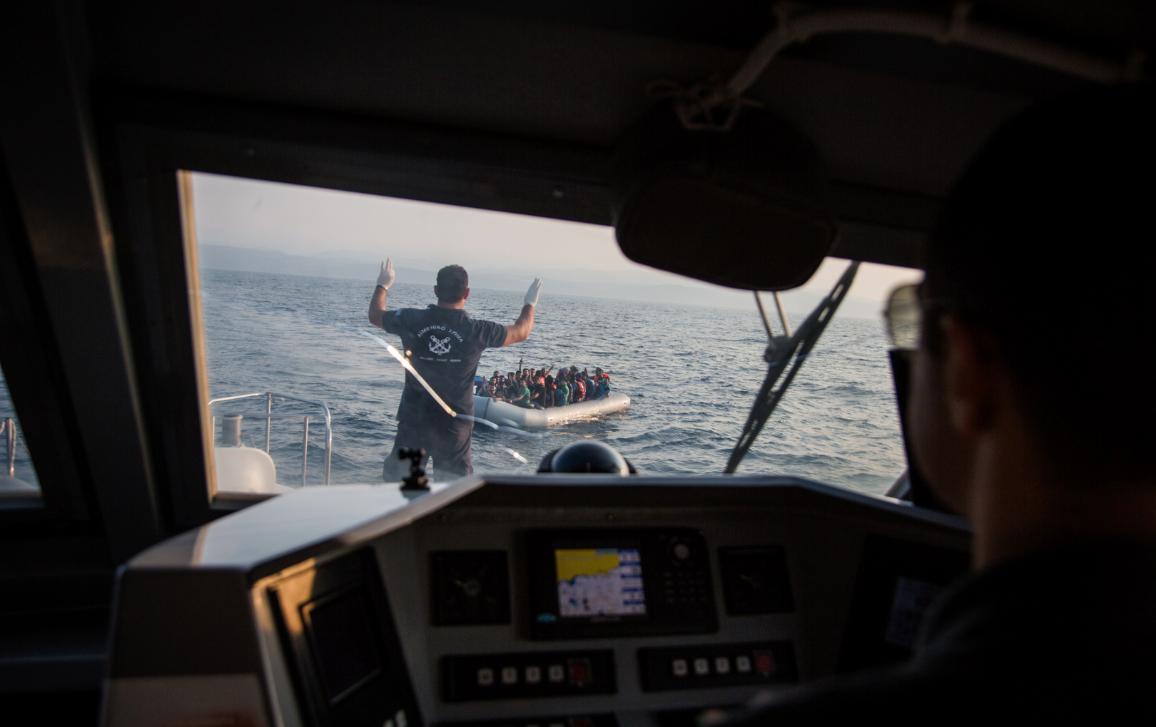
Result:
{"points": [[745, 208]]}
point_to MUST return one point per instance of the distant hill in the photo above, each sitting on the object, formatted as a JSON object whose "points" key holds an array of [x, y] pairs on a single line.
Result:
{"points": [[625, 285], [227, 257]]}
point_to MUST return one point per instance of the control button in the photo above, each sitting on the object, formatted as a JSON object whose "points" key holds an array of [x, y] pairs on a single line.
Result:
{"points": [[533, 674], [485, 677], [401, 719], [579, 672], [556, 673], [678, 667], [722, 665], [743, 664], [388, 723], [681, 551], [701, 667], [509, 675], [764, 663]]}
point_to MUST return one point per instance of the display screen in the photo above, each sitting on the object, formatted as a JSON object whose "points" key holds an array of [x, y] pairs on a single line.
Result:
{"points": [[343, 643], [912, 599], [599, 582], [897, 582]]}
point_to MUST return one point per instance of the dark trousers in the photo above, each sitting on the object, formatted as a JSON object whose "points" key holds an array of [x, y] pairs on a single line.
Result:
{"points": [[447, 442]]}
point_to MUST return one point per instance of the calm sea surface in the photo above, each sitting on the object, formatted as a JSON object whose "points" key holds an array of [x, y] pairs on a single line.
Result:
{"points": [[691, 373]]}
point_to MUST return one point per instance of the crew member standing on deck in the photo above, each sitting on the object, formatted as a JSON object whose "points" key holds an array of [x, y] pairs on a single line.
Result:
{"points": [[444, 345]]}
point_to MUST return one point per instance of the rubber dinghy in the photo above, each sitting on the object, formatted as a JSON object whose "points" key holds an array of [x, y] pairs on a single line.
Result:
{"points": [[501, 412]]}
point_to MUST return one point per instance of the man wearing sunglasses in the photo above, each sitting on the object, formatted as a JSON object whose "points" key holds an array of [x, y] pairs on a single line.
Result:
{"points": [[1031, 410]]}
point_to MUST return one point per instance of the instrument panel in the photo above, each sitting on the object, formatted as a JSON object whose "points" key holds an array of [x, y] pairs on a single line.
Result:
{"points": [[620, 583], [644, 615], [556, 601]]}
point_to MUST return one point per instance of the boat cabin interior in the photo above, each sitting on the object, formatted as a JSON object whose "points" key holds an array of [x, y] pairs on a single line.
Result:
{"points": [[740, 143]]}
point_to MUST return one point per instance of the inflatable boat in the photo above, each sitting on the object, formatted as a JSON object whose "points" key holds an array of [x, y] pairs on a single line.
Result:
{"points": [[501, 412]]}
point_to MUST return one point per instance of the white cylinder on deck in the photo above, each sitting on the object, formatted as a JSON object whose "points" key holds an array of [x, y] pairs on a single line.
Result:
{"points": [[246, 469]]}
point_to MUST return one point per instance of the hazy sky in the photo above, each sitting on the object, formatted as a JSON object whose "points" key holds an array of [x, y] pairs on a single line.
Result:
{"points": [[309, 221]]}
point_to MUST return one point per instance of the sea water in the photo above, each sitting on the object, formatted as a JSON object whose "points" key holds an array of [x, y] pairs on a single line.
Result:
{"points": [[691, 372]]}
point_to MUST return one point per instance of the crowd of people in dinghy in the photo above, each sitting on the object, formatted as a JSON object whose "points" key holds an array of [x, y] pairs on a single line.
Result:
{"points": [[540, 389]]}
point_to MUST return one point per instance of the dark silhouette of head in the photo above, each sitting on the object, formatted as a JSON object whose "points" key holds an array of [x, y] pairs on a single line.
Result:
{"points": [[1044, 246]]}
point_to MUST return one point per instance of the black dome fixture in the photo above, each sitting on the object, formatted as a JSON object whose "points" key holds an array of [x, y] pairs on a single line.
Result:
{"points": [[587, 456]]}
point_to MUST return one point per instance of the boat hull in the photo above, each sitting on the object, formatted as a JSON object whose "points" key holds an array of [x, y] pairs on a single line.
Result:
{"points": [[501, 412]]}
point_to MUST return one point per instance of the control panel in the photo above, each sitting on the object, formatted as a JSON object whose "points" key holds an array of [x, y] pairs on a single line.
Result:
{"points": [[521, 614], [524, 675], [721, 665], [639, 604]]}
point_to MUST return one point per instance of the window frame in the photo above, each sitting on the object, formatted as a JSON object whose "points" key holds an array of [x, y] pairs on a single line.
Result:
{"points": [[153, 145], [64, 349]]}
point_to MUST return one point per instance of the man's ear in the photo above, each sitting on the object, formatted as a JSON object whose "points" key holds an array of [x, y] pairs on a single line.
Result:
{"points": [[972, 372], [436, 294], [466, 294]]}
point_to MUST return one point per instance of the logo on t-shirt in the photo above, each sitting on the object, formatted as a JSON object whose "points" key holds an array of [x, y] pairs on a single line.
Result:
{"points": [[439, 346]]}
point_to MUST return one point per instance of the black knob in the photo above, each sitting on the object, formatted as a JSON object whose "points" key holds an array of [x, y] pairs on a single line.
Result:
{"points": [[416, 479]]}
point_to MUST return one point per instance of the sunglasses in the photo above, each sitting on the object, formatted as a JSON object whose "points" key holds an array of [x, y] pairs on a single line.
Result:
{"points": [[904, 315]]}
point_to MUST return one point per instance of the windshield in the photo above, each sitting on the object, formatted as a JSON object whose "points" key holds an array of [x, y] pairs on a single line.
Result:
{"points": [[17, 476], [287, 273]]}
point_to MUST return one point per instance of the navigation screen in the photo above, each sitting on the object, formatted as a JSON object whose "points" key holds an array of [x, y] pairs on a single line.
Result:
{"points": [[599, 582]]}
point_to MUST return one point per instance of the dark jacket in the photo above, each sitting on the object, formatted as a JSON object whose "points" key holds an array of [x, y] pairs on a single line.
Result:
{"points": [[1065, 636]]}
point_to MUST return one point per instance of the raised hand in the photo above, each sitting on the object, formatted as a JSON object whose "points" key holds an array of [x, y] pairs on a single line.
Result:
{"points": [[386, 277], [534, 291]]}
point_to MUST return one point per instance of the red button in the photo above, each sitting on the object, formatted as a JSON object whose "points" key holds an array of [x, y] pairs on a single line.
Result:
{"points": [[764, 663], [579, 671]]}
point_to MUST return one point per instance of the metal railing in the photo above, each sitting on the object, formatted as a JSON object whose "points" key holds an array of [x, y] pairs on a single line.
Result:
{"points": [[233, 425], [8, 429]]}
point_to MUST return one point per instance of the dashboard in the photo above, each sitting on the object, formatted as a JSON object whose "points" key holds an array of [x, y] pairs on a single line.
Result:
{"points": [[570, 601]]}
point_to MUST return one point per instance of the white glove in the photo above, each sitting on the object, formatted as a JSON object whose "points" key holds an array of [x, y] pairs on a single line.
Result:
{"points": [[386, 277], [533, 292]]}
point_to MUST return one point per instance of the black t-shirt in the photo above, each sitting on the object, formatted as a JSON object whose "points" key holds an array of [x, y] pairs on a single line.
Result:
{"points": [[446, 345]]}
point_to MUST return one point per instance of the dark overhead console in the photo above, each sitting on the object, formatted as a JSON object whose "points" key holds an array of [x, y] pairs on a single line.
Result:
{"points": [[599, 583]]}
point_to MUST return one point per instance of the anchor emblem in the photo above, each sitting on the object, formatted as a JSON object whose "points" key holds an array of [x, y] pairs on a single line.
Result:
{"points": [[439, 346]]}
